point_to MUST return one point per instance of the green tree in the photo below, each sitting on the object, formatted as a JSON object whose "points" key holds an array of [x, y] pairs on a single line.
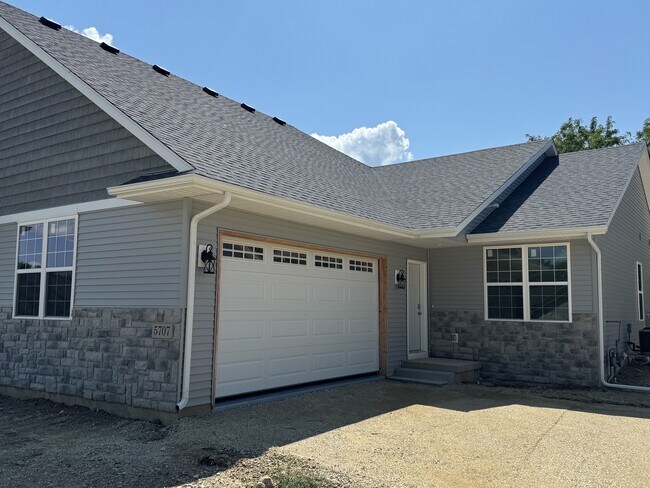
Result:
{"points": [[644, 134], [576, 136]]}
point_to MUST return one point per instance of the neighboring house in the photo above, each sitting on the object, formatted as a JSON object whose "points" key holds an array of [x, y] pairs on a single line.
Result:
{"points": [[116, 174]]}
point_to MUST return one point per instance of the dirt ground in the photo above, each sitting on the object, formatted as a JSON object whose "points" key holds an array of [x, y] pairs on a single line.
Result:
{"points": [[381, 434], [635, 373]]}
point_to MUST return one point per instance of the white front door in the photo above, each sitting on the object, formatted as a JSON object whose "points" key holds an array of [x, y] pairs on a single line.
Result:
{"points": [[290, 315], [416, 290]]}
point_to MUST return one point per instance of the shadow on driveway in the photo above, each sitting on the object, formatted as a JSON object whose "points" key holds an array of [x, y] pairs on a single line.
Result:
{"points": [[51, 445]]}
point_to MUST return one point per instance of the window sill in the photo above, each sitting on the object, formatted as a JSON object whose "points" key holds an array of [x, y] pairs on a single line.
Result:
{"points": [[21, 317], [570, 321]]}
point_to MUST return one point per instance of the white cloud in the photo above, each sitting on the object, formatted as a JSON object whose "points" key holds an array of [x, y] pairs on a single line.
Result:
{"points": [[383, 144], [92, 33]]}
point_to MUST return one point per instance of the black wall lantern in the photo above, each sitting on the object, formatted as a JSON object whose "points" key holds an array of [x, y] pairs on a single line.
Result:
{"points": [[400, 278], [208, 259]]}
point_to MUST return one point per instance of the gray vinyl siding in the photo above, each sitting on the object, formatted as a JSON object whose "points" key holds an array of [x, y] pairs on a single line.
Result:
{"points": [[456, 281], [626, 242], [56, 146], [130, 257], [204, 315], [7, 263]]}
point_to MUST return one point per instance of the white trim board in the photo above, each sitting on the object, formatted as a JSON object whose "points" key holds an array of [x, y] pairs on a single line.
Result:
{"points": [[120, 117], [66, 210], [536, 235]]}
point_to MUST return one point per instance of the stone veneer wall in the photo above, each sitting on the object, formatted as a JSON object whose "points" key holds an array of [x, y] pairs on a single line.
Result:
{"points": [[530, 352], [101, 354]]}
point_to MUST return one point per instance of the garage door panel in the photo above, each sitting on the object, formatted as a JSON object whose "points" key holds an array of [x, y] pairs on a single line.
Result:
{"points": [[362, 357], [362, 326], [362, 295], [242, 330], [329, 326], [325, 361], [237, 371], [283, 324], [329, 294], [243, 296], [281, 293], [289, 365], [287, 329]]}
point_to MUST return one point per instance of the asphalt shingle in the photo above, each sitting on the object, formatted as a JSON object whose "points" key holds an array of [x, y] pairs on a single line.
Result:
{"points": [[579, 189]]}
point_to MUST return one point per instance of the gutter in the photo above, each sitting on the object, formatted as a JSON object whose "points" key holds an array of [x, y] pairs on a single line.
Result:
{"points": [[191, 283], [601, 326]]}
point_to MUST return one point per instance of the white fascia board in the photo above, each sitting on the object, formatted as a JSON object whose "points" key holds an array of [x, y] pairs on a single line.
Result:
{"points": [[548, 146], [207, 186], [67, 210], [120, 117], [524, 236]]}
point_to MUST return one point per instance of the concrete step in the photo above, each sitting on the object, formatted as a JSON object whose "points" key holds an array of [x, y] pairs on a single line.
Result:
{"points": [[410, 379], [442, 364], [425, 374]]}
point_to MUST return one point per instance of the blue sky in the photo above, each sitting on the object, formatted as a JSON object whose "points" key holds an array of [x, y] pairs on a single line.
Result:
{"points": [[454, 76]]}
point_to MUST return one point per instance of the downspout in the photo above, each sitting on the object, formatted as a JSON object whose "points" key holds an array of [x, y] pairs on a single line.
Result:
{"points": [[191, 279], [601, 325]]}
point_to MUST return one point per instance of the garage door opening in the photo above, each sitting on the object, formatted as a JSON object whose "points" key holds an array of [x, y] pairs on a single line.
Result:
{"points": [[290, 315]]}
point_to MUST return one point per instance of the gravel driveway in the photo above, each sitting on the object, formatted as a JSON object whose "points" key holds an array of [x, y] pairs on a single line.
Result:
{"points": [[368, 434]]}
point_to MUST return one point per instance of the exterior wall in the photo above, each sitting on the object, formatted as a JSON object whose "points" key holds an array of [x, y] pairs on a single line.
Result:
{"points": [[204, 319], [457, 282], [102, 354], [131, 257], [57, 147], [130, 261], [626, 242], [512, 351], [530, 352]]}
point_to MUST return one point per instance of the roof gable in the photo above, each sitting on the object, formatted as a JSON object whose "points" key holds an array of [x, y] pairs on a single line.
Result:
{"points": [[574, 190]]}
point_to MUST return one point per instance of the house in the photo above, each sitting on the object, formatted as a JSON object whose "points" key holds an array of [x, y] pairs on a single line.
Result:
{"points": [[163, 246]]}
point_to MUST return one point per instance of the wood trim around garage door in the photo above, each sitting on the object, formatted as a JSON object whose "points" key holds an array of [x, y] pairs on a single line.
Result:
{"points": [[382, 265]]}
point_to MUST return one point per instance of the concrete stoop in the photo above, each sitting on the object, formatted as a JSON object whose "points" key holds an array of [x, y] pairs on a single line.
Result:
{"points": [[437, 371]]}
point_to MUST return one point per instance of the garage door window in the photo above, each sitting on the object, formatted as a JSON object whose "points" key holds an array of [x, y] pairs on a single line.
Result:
{"points": [[364, 266], [289, 257], [242, 251], [328, 262]]}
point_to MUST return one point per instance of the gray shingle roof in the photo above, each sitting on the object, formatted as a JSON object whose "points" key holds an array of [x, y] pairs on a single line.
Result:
{"points": [[222, 141], [579, 189], [443, 191]]}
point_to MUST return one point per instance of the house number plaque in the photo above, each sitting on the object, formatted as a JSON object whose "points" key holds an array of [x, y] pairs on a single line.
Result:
{"points": [[162, 331]]}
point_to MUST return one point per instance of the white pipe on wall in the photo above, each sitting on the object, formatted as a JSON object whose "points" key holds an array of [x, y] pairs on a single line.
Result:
{"points": [[191, 282], [601, 325]]}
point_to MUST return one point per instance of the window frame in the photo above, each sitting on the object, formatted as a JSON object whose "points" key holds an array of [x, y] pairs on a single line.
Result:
{"points": [[234, 242], [45, 269], [639, 292], [283, 249], [526, 283]]}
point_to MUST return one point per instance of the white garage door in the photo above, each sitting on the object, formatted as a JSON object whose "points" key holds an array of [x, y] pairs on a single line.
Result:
{"points": [[289, 315]]}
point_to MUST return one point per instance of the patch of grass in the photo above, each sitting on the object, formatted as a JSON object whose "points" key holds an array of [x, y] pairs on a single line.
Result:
{"points": [[289, 472]]}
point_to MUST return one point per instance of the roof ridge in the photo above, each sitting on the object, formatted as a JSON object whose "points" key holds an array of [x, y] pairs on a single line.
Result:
{"points": [[422, 160], [609, 148]]}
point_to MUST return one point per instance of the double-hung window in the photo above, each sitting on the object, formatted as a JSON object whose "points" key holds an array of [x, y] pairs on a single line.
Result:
{"points": [[45, 268], [639, 291], [530, 282]]}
